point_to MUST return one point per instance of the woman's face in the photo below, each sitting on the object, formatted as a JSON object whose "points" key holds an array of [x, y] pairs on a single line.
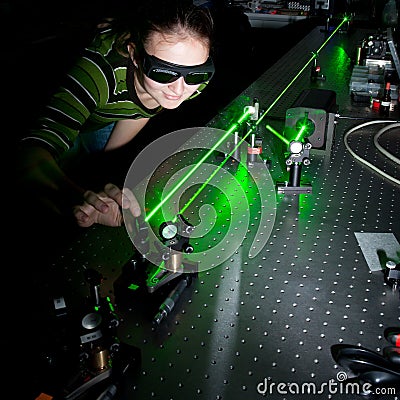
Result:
{"points": [[188, 52]]}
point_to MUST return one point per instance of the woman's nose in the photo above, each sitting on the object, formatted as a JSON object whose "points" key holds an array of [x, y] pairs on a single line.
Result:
{"points": [[177, 86]]}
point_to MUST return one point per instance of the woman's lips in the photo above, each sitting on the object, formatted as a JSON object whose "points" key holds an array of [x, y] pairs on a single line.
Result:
{"points": [[171, 97]]}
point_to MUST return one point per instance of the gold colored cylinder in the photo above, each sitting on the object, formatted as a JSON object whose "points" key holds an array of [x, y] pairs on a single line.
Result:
{"points": [[100, 357]]}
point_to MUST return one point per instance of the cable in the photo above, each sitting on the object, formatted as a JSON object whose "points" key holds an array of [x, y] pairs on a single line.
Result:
{"points": [[362, 118], [379, 147], [362, 160], [109, 393]]}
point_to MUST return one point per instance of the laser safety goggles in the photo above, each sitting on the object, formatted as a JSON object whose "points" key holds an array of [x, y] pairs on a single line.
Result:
{"points": [[165, 72]]}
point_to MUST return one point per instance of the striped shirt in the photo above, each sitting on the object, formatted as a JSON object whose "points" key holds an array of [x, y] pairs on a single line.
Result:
{"points": [[97, 91]]}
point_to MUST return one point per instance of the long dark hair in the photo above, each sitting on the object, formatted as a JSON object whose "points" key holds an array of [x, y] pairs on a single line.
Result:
{"points": [[165, 16]]}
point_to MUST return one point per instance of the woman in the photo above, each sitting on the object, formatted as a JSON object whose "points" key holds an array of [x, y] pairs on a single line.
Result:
{"points": [[129, 74]]}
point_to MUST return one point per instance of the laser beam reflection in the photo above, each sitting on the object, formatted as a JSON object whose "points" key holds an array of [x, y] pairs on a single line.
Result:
{"points": [[196, 166], [146, 161], [315, 55], [277, 134], [301, 132], [235, 126], [214, 173], [233, 196]]}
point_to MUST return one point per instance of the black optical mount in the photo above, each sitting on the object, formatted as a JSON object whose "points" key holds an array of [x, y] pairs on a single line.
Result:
{"points": [[175, 236], [91, 356], [371, 371], [316, 73], [140, 277], [299, 156]]}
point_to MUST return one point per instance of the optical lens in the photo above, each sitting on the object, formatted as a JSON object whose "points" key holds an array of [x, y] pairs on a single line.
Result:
{"points": [[163, 75], [196, 78]]}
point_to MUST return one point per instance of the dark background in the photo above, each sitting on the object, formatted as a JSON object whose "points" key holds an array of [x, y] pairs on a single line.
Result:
{"points": [[45, 37]]}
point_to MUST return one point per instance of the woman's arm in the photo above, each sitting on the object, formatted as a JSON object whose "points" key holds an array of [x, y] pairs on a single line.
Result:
{"points": [[124, 131], [38, 173]]}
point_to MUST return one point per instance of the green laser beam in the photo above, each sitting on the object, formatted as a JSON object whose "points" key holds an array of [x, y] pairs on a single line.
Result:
{"points": [[190, 201], [233, 127], [286, 141], [276, 133], [110, 304], [300, 134], [197, 165], [345, 19]]}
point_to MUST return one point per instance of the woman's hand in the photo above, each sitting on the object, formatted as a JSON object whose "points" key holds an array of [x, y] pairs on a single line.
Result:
{"points": [[105, 208]]}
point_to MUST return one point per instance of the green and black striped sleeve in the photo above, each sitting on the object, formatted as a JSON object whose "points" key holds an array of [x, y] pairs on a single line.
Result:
{"points": [[93, 95]]}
